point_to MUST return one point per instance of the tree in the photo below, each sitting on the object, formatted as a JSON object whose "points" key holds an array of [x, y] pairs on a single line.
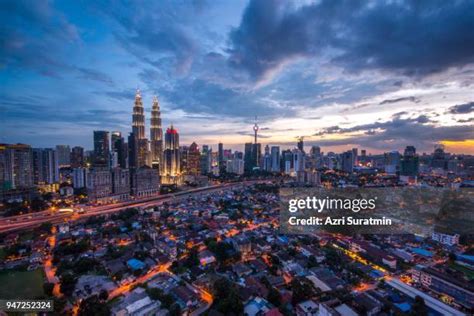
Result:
{"points": [[93, 306], [68, 283], [226, 297], [274, 296], [175, 310], [419, 307], [45, 227], [38, 205], [302, 290], [192, 260], [48, 288]]}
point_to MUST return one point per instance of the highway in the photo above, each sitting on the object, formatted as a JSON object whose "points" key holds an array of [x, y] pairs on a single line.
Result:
{"points": [[32, 220]]}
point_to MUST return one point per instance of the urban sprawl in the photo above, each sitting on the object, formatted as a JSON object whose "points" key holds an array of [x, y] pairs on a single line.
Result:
{"points": [[142, 226]]}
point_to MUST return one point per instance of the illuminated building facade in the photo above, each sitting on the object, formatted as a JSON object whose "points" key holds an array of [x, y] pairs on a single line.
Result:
{"points": [[138, 131], [156, 135], [171, 165], [194, 160]]}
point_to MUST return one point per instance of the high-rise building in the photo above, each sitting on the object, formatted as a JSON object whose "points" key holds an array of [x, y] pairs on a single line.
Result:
{"points": [[138, 130], [392, 162], [156, 135], [64, 155], [45, 166], [347, 161], [120, 184], [119, 149], [101, 149], [355, 156], [409, 163], [77, 157], [300, 144], [145, 182], [252, 156], [235, 165], [132, 151], [194, 160], [275, 156], [138, 117], [98, 184], [183, 156], [439, 158], [220, 157], [79, 177], [206, 160], [171, 165], [287, 161], [17, 160], [267, 159]]}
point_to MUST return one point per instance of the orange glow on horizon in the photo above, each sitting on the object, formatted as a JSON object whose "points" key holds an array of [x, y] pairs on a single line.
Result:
{"points": [[461, 146]]}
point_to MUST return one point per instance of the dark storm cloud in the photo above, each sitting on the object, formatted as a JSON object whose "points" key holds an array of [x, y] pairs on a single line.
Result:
{"points": [[408, 37], [462, 108]]}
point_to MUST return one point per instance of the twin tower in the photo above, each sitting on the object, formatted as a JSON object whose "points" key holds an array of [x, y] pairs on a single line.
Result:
{"points": [[151, 153]]}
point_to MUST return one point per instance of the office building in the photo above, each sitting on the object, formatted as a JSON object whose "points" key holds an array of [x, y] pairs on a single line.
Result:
{"points": [[98, 184], [17, 160], [64, 155], [171, 163], [77, 157], [45, 166], [101, 149]]}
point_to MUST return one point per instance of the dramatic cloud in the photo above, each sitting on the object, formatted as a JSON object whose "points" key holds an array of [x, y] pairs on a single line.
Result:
{"points": [[462, 108], [348, 70], [395, 133], [412, 38]]}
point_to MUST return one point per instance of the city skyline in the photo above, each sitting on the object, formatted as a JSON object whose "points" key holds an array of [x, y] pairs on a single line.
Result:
{"points": [[215, 66]]}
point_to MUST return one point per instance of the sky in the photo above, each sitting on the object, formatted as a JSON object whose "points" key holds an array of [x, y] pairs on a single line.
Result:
{"points": [[377, 75]]}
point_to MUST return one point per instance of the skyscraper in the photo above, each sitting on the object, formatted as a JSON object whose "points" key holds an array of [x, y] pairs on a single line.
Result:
{"points": [[347, 161], [300, 143], [77, 157], [138, 130], [138, 117], [156, 135], [64, 155], [220, 158], [206, 159], [275, 154], [17, 166], [45, 166], [119, 148], [101, 149], [171, 165], [194, 160], [409, 163], [267, 159]]}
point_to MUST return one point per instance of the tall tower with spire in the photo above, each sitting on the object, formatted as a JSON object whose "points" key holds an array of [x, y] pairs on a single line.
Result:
{"points": [[156, 135], [138, 119], [255, 130], [138, 143]]}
